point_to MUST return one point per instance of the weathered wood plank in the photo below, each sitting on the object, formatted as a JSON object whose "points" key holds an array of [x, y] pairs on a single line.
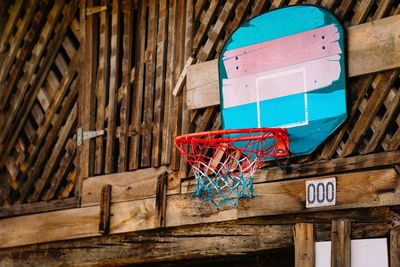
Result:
{"points": [[14, 72], [102, 87], [395, 247], [11, 23], [341, 243], [127, 186], [53, 133], [354, 190], [179, 62], [326, 167], [161, 200], [189, 33], [205, 25], [110, 165], [375, 101], [55, 155], [44, 206], [15, 43], [55, 104], [136, 114], [29, 78], [304, 245], [75, 223], [71, 183], [216, 31], [105, 204], [24, 109], [125, 89], [188, 242], [151, 53], [383, 125], [159, 92], [358, 90], [203, 79], [65, 163]]}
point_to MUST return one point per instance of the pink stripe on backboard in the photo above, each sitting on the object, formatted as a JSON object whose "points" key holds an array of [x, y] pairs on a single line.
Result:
{"points": [[312, 36], [282, 52], [299, 78]]}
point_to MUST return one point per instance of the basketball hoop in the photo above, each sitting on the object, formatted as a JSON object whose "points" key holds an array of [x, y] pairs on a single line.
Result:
{"points": [[224, 161]]}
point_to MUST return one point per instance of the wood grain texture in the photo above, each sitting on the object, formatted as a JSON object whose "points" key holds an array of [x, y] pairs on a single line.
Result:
{"points": [[395, 247], [127, 186], [354, 190], [304, 246], [341, 243], [189, 242], [105, 205], [75, 223], [110, 162], [376, 54]]}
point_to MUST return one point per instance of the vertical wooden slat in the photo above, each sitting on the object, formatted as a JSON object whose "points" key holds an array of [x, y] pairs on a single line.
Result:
{"points": [[304, 245], [105, 205], [395, 247], [178, 101], [114, 84], [169, 85], [341, 243], [103, 79], [161, 200], [159, 95], [188, 53], [149, 84], [126, 85], [139, 88], [86, 94]]}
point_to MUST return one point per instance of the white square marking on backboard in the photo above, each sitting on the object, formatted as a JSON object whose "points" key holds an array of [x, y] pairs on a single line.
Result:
{"points": [[280, 74]]}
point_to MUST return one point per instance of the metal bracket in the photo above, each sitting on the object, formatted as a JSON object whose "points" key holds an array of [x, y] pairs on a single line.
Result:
{"points": [[84, 135]]}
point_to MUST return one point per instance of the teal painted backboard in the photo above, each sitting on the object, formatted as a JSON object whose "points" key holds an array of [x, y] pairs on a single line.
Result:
{"points": [[286, 68]]}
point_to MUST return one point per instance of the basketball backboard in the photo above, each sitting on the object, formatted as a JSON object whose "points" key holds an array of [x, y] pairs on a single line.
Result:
{"points": [[285, 68]]}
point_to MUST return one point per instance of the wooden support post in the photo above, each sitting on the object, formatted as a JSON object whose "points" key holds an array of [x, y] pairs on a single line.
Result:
{"points": [[395, 247], [161, 199], [341, 243], [304, 245], [105, 205]]}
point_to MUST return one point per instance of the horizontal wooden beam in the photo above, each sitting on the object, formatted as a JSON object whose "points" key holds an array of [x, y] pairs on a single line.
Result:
{"points": [[354, 190], [126, 186], [44, 206], [189, 242], [324, 167], [371, 47], [75, 223]]}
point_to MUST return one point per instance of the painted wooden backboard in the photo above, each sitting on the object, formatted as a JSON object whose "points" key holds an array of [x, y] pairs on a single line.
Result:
{"points": [[285, 68]]}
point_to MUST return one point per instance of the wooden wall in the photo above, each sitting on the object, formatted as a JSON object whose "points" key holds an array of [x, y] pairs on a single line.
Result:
{"points": [[39, 63], [115, 68]]}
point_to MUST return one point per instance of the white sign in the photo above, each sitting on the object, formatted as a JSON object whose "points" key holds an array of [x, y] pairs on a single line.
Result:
{"points": [[321, 192], [364, 253]]}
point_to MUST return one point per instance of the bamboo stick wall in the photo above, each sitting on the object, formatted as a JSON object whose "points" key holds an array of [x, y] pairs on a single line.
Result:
{"points": [[129, 59]]}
